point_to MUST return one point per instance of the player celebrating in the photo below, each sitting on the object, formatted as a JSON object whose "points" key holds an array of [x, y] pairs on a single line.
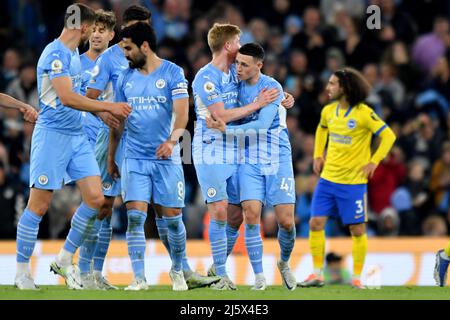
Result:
{"points": [[157, 91], [348, 124], [215, 89], [109, 65], [266, 175], [102, 34], [59, 145]]}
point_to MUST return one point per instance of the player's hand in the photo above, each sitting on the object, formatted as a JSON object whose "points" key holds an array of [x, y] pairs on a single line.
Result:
{"points": [[165, 149], [214, 122], [109, 120], [288, 101], [113, 170], [29, 114], [318, 165], [120, 110], [368, 170], [267, 96]]}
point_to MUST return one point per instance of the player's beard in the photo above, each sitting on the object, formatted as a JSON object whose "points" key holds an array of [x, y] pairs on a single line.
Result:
{"points": [[137, 63]]}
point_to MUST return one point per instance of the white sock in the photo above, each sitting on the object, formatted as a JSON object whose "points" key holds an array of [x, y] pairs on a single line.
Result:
{"points": [[23, 268], [65, 257]]}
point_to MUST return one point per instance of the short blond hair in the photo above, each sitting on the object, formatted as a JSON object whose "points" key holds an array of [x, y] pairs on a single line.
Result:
{"points": [[221, 33]]}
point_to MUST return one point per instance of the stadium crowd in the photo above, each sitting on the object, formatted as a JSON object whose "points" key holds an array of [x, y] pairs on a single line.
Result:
{"points": [[407, 62]]}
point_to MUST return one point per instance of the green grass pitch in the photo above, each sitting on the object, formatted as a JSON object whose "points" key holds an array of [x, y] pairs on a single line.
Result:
{"points": [[243, 293]]}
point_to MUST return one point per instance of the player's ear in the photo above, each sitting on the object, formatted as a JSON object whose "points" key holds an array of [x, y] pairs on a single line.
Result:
{"points": [[111, 35]]}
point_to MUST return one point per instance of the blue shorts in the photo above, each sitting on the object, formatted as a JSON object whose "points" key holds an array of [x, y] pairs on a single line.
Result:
{"points": [[270, 184], [110, 187], [219, 182], [56, 156], [348, 201], [143, 180]]}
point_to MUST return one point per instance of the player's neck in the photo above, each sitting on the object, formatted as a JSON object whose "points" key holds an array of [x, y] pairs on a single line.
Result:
{"points": [[343, 104], [93, 54], [222, 62], [153, 62], [254, 80], [70, 38]]}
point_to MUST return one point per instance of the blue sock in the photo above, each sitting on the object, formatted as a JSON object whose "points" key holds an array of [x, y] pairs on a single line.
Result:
{"points": [[161, 225], [81, 226], [232, 235], [87, 249], [218, 241], [104, 238], [136, 242], [286, 239], [177, 240], [27, 231], [253, 243]]}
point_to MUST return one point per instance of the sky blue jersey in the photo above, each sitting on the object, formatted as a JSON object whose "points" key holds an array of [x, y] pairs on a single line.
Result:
{"points": [[151, 97], [58, 61], [265, 131], [91, 122], [210, 86]]}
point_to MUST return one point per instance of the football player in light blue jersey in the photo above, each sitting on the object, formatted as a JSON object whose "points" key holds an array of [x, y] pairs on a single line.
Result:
{"points": [[112, 64], [102, 34], [152, 171], [266, 174], [93, 248], [215, 89], [59, 146]]}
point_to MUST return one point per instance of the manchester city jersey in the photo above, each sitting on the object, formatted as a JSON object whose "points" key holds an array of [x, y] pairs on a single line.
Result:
{"points": [[151, 97], [210, 86], [91, 122], [58, 61], [110, 64], [269, 143]]}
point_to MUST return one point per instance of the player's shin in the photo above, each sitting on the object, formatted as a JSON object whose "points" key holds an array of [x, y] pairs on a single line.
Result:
{"points": [[359, 252], [317, 246], [136, 242], [177, 240]]}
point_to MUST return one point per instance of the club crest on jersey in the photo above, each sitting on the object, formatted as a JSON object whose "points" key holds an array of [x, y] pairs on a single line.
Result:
{"points": [[57, 66], [160, 83], [209, 87], [106, 186], [211, 192], [351, 124], [43, 179]]}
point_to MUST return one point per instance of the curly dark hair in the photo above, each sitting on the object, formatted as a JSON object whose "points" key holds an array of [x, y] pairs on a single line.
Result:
{"points": [[355, 86]]}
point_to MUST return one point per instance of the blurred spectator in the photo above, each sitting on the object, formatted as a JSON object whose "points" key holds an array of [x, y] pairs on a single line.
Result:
{"points": [[12, 204], [434, 226], [313, 38], [331, 8], [388, 176], [431, 46], [24, 88], [388, 223], [10, 67], [440, 179], [396, 24], [334, 272]]}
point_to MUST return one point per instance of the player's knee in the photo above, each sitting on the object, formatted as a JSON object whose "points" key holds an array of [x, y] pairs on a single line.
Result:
{"points": [[286, 223], [39, 208], [316, 224], [357, 230], [95, 201], [218, 210], [252, 215]]}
